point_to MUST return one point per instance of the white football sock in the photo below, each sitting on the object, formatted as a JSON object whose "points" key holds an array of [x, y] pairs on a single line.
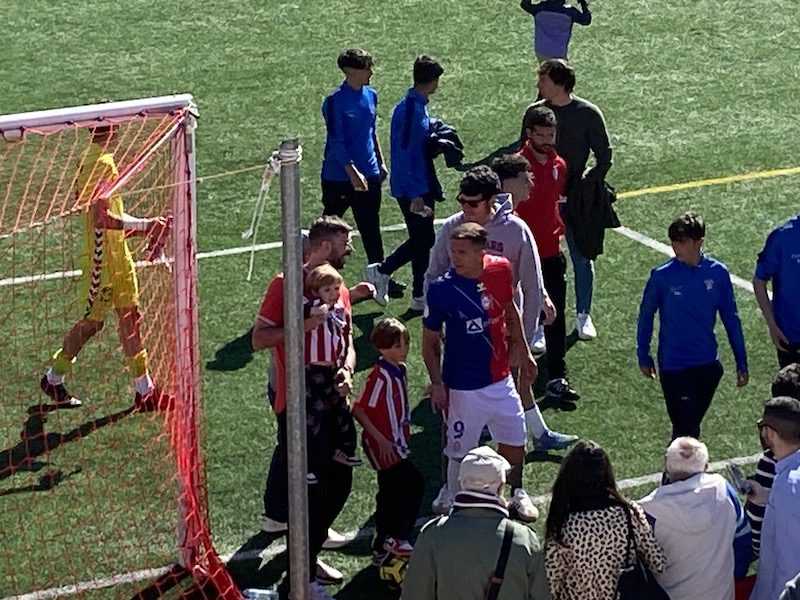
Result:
{"points": [[53, 378], [143, 384], [453, 467], [534, 422]]}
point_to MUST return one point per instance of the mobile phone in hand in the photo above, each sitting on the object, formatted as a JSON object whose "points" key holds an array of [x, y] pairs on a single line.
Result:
{"points": [[738, 479]]}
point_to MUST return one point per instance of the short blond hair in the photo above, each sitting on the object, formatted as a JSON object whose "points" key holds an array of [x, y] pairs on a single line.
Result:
{"points": [[322, 276]]}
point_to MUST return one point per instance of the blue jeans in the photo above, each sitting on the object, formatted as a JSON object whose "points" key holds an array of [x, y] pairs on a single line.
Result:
{"points": [[584, 275]]}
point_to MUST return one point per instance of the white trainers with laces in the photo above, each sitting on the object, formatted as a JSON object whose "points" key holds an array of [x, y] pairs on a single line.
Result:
{"points": [[380, 281], [585, 327], [522, 505], [335, 540], [443, 502], [538, 346]]}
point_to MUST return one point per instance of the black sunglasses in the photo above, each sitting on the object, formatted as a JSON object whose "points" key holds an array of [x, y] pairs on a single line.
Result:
{"points": [[471, 203]]}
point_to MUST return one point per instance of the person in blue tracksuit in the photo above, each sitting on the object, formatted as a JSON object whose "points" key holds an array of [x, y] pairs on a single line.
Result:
{"points": [[779, 262], [688, 291], [353, 167], [412, 182]]}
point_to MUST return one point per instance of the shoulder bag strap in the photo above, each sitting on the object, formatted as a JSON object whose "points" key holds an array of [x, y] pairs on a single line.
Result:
{"points": [[496, 580]]}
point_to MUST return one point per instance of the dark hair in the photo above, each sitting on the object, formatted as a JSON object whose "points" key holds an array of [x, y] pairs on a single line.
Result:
{"points": [[510, 166], [787, 382], [584, 481], [325, 228], [426, 70], [354, 58], [560, 72], [783, 415], [472, 232], [539, 116], [388, 333], [480, 180], [688, 225]]}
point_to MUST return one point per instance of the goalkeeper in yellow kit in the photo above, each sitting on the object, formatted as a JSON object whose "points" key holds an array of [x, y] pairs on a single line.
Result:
{"points": [[109, 277]]}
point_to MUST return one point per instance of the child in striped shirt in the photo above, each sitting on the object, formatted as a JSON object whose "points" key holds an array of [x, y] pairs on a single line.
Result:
{"points": [[383, 411]]}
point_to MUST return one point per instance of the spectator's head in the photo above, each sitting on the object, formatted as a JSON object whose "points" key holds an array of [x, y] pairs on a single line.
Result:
{"points": [[390, 337], [687, 234], [779, 427], [585, 480], [540, 129], [686, 457], [427, 71], [515, 176], [467, 248], [477, 191], [787, 382], [356, 64], [323, 282], [483, 470], [329, 241], [556, 78]]}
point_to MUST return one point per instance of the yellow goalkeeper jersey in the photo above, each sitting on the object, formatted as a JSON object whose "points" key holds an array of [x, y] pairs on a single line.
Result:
{"points": [[106, 253]]}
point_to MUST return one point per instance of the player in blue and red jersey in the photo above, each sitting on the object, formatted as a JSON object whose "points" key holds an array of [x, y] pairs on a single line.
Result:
{"points": [[474, 302]]}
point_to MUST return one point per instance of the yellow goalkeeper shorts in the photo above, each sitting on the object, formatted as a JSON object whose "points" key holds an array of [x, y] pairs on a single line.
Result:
{"points": [[116, 288]]}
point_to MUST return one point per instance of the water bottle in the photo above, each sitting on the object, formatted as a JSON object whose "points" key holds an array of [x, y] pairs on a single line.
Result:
{"points": [[256, 594]]}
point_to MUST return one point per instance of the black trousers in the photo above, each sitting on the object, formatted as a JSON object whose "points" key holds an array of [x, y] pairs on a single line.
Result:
{"points": [[276, 494], [400, 490], [416, 249], [554, 273], [338, 196], [688, 394], [786, 358]]}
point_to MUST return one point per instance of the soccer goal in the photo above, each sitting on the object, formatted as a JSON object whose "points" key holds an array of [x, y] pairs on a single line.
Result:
{"points": [[101, 486]]}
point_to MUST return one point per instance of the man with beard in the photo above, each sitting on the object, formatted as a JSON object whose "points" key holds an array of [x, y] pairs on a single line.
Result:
{"points": [[330, 242]]}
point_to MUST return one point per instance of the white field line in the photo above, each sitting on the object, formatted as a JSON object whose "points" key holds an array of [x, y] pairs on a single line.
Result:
{"points": [[666, 249], [275, 549]]}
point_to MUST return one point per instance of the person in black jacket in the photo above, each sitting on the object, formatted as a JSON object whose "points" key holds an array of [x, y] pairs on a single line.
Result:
{"points": [[581, 131]]}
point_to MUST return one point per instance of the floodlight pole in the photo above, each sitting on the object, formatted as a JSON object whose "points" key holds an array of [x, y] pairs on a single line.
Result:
{"points": [[294, 334]]}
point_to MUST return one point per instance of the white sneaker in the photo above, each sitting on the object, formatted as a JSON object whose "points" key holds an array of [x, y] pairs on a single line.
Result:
{"points": [[328, 575], [585, 327], [538, 346], [417, 304], [335, 540], [380, 281], [443, 502], [272, 526], [522, 505], [317, 592]]}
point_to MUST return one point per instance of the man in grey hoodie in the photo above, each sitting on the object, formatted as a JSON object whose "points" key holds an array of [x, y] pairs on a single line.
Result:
{"points": [[482, 201]]}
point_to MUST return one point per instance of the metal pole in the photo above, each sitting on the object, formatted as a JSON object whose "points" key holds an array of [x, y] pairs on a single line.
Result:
{"points": [[289, 155]]}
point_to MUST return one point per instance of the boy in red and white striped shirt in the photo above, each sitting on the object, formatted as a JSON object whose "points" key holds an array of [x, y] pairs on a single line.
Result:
{"points": [[383, 411]]}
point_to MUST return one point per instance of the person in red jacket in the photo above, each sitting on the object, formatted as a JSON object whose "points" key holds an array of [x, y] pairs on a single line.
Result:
{"points": [[540, 211]]}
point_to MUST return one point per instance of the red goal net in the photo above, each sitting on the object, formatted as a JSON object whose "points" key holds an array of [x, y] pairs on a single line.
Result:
{"points": [[102, 486]]}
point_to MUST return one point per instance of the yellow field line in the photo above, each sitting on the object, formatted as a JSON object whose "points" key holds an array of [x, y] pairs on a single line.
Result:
{"points": [[688, 185]]}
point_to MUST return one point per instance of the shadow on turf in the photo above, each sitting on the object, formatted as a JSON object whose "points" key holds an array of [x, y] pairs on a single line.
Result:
{"points": [[234, 355], [35, 442]]}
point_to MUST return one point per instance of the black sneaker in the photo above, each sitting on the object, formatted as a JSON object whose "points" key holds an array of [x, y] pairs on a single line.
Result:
{"points": [[59, 394], [561, 390], [396, 289]]}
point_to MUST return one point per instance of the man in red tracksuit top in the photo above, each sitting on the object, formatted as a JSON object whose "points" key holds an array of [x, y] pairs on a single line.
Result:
{"points": [[541, 213]]}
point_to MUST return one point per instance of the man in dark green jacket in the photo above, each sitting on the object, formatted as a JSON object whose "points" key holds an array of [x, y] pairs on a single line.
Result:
{"points": [[456, 555]]}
